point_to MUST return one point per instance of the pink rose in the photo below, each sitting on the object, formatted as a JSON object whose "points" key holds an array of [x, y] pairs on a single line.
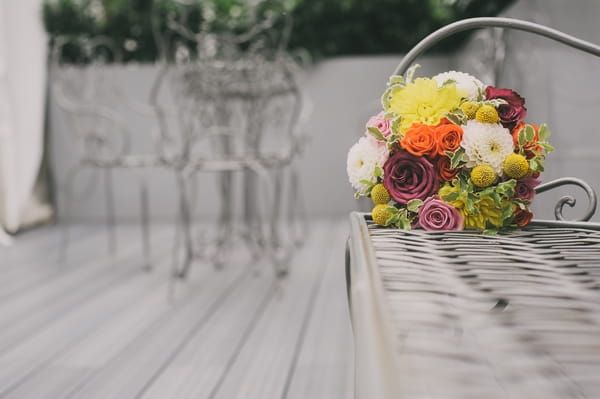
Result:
{"points": [[525, 188], [512, 112], [436, 214], [408, 177], [381, 123]]}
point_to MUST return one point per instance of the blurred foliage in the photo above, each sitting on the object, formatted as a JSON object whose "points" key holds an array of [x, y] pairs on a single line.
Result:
{"points": [[321, 28]]}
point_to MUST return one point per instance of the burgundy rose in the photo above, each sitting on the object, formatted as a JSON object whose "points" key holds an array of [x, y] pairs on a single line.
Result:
{"points": [[525, 188], [509, 113], [408, 177], [436, 214]]}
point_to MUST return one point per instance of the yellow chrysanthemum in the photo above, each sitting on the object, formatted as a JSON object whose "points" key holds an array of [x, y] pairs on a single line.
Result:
{"points": [[380, 195], [491, 212], [483, 175], [422, 101], [486, 114], [448, 189], [381, 214], [515, 166], [472, 221], [469, 108]]}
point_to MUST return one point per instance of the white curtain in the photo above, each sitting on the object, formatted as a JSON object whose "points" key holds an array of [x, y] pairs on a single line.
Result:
{"points": [[22, 95]]}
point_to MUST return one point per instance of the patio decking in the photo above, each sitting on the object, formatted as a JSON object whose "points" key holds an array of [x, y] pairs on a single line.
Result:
{"points": [[97, 326]]}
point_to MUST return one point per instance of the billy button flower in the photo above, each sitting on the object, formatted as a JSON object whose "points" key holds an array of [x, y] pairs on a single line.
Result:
{"points": [[515, 166], [381, 213], [487, 114], [380, 194], [483, 175], [469, 108]]}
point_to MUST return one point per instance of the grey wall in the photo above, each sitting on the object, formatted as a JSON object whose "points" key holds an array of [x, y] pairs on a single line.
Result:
{"points": [[341, 94]]}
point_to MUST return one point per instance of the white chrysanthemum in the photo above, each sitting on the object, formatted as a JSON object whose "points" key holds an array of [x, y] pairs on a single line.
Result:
{"points": [[363, 158], [464, 81], [486, 144]]}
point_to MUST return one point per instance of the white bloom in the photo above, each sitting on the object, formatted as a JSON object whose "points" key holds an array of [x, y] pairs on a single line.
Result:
{"points": [[464, 81], [486, 144], [363, 158]]}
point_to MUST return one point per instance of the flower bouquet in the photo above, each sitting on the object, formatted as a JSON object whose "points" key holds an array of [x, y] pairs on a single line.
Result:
{"points": [[449, 153]]}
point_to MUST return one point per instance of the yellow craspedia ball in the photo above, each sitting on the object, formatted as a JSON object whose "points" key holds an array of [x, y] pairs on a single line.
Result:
{"points": [[469, 108], [381, 214], [515, 166], [483, 175], [380, 194], [486, 114]]}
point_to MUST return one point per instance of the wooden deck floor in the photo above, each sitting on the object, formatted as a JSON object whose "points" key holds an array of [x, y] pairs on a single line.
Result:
{"points": [[97, 326]]}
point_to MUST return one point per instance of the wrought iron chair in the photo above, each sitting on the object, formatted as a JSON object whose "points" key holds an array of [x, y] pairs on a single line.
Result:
{"points": [[232, 95], [460, 314], [88, 95]]}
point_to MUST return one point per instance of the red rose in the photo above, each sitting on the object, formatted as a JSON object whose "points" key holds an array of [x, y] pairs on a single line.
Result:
{"points": [[509, 113]]}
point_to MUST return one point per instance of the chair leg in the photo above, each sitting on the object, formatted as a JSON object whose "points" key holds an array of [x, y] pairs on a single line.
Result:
{"points": [[225, 222], [67, 204], [110, 211], [297, 218], [145, 225], [184, 220]]}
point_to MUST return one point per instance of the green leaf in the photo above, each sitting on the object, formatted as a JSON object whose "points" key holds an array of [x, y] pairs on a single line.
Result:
{"points": [[395, 127], [448, 82], [546, 146], [375, 132], [456, 157], [451, 197], [529, 133], [490, 232], [410, 73], [414, 204], [522, 138], [544, 133], [378, 171], [396, 79]]}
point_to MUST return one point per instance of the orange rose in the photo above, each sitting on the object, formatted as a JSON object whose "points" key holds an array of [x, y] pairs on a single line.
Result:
{"points": [[522, 217], [419, 140], [444, 170], [448, 138], [530, 147]]}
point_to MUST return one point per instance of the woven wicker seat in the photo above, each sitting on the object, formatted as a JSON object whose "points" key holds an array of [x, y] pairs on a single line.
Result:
{"points": [[465, 315]]}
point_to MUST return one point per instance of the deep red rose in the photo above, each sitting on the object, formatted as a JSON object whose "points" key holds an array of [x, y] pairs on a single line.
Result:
{"points": [[509, 113], [408, 177]]}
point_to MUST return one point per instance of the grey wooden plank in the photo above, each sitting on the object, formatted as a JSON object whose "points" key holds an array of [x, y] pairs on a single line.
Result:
{"points": [[204, 360], [263, 365], [44, 240], [24, 359], [127, 374], [325, 366], [204, 363], [25, 315], [41, 264], [68, 371]]}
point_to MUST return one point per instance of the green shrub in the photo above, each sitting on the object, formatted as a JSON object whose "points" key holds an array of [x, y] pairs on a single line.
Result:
{"points": [[321, 28]]}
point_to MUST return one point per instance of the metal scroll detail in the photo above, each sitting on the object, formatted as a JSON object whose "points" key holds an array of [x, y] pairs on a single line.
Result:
{"points": [[569, 199], [491, 22]]}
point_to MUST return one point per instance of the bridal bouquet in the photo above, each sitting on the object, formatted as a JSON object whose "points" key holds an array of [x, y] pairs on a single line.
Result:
{"points": [[449, 153]]}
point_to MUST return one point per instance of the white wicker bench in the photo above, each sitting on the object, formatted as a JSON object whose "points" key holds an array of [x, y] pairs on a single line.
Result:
{"points": [[465, 315]]}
